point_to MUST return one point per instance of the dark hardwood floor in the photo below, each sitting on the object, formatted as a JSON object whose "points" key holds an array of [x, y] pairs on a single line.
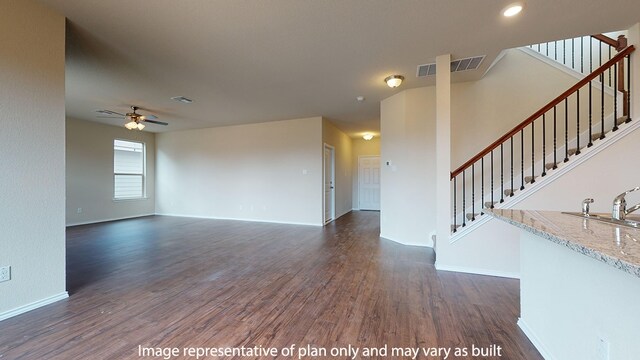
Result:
{"points": [[183, 282]]}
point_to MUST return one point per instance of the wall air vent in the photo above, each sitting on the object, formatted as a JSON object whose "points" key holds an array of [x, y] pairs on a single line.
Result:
{"points": [[459, 65]]}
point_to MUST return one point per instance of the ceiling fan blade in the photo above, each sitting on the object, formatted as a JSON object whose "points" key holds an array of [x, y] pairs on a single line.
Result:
{"points": [[109, 112], [156, 122], [150, 117], [110, 117]]}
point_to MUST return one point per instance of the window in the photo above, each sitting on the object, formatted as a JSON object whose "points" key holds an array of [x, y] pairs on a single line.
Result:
{"points": [[128, 169]]}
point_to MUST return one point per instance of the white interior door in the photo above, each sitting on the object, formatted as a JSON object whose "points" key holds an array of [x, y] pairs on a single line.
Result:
{"points": [[369, 182], [329, 181]]}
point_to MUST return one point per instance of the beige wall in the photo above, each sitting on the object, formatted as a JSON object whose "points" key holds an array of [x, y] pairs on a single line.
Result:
{"points": [[263, 172], [32, 110], [361, 147], [333, 136], [481, 111], [484, 110], [407, 196], [90, 173]]}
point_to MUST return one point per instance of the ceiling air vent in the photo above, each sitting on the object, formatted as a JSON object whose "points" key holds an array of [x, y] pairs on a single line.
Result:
{"points": [[471, 63], [426, 70], [182, 99]]}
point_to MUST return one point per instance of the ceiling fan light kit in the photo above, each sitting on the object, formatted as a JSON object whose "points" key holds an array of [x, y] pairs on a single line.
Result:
{"points": [[132, 120]]}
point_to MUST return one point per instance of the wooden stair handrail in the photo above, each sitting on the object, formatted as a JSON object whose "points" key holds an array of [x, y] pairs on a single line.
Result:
{"points": [[620, 56], [619, 44]]}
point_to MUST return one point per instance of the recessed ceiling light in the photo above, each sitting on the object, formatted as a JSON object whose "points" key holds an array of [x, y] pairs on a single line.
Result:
{"points": [[360, 98], [512, 10], [182, 99]]}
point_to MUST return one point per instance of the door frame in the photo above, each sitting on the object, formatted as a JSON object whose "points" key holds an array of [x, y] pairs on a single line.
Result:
{"points": [[360, 178], [333, 182]]}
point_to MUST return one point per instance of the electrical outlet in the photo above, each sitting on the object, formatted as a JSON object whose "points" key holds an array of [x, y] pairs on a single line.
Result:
{"points": [[603, 349], [79, 210], [5, 273]]}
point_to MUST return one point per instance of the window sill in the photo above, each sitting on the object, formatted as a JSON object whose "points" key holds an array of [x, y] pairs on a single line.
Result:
{"points": [[130, 199]]}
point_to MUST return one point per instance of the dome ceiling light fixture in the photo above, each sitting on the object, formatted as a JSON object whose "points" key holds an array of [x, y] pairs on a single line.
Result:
{"points": [[512, 10], [393, 81], [367, 136]]}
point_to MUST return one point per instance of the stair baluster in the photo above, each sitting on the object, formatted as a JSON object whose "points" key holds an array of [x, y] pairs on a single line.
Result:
{"points": [[577, 122], [533, 154], [521, 160], [544, 143], [615, 100], [566, 130], [602, 136]]}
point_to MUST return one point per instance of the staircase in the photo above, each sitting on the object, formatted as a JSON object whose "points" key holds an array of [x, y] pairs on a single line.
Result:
{"points": [[580, 119]]}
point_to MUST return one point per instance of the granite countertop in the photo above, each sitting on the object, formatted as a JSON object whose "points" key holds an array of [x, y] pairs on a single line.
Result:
{"points": [[618, 246]]}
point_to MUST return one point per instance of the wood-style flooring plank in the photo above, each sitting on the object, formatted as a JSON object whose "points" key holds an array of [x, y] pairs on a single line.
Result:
{"points": [[183, 282]]}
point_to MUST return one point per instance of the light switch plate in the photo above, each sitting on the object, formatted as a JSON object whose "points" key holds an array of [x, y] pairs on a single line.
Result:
{"points": [[5, 273]]}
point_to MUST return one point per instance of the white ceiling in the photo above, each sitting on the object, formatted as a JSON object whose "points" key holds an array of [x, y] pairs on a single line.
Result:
{"points": [[247, 61]]}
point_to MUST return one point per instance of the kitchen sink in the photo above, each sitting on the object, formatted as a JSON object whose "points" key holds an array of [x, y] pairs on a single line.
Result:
{"points": [[634, 223]]}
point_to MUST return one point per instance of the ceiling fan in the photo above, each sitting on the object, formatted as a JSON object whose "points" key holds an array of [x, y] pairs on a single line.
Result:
{"points": [[133, 120]]}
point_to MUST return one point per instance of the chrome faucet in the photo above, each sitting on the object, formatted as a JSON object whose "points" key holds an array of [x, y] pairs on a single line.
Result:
{"points": [[585, 206], [620, 210]]}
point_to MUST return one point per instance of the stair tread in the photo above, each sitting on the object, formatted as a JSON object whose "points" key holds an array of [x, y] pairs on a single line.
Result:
{"points": [[621, 120], [472, 216]]}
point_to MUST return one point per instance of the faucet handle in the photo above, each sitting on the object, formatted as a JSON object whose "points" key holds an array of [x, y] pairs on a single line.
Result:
{"points": [[632, 190], [620, 197], [585, 206]]}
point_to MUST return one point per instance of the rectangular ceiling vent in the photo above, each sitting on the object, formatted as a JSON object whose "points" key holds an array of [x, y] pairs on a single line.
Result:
{"points": [[471, 63]]}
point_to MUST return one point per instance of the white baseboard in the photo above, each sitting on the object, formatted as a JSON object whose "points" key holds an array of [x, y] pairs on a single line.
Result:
{"points": [[534, 340], [383, 236], [240, 219], [32, 306], [343, 214], [107, 220], [477, 271]]}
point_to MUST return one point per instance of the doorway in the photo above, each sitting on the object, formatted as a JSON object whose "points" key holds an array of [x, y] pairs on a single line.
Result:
{"points": [[329, 183], [369, 183]]}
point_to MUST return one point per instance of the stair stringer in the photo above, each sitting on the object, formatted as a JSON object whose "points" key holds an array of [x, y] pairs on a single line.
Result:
{"points": [[491, 247]]}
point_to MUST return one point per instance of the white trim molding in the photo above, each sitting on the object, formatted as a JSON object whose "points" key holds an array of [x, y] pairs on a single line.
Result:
{"points": [[534, 340], [429, 244], [240, 219], [34, 305], [477, 271], [109, 220]]}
